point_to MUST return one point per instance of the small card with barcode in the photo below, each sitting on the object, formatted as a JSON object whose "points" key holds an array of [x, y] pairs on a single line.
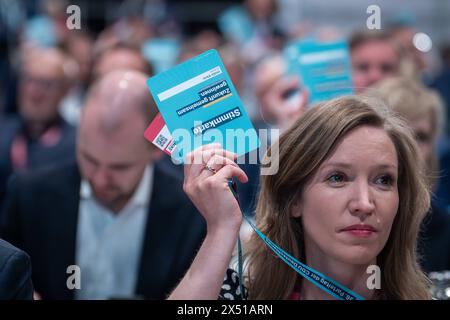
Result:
{"points": [[158, 134]]}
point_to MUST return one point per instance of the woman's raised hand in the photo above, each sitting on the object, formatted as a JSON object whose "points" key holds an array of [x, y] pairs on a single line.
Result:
{"points": [[207, 171]]}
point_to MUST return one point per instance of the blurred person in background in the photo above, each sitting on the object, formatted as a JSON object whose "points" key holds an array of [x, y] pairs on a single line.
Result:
{"points": [[207, 39], [47, 28], [115, 213], [197, 44], [235, 66], [119, 57], [443, 188], [12, 17], [274, 109], [79, 45], [422, 108], [414, 63], [441, 83], [272, 90], [130, 31], [374, 56], [37, 136], [254, 28]]}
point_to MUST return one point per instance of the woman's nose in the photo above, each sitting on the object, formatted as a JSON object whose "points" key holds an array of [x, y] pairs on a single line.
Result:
{"points": [[361, 201]]}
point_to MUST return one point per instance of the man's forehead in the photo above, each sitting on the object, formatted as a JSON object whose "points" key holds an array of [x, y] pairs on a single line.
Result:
{"points": [[113, 120], [42, 67], [129, 132], [108, 151]]}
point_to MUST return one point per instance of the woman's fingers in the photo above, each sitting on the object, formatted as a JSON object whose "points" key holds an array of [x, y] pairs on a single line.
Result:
{"points": [[205, 184], [195, 154], [208, 154], [214, 165], [229, 171], [201, 156], [195, 157]]}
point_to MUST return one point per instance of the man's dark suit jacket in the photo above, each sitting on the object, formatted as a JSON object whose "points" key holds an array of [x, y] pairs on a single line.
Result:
{"points": [[40, 217], [15, 273], [434, 241], [38, 156]]}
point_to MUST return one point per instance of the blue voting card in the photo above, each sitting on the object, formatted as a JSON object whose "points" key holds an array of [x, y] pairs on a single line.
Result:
{"points": [[161, 53], [324, 68], [291, 53], [200, 105], [236, 25]]}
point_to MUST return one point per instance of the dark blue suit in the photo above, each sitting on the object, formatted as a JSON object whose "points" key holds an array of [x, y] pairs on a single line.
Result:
{"points": [[41, 214], [38, 155], [15, 273], [434, 240]]}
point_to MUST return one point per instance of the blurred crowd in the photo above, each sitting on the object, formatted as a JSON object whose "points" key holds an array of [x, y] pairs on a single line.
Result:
{"points": [[72, 120]]}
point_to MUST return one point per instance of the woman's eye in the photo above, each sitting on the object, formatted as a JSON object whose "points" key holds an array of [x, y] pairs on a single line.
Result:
{"points": [[336, 178], [385, 180]]}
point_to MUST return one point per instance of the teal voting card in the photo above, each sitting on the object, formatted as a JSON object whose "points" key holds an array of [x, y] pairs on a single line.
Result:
{"points": [[324, 68], [161, 53], [200, 105]]}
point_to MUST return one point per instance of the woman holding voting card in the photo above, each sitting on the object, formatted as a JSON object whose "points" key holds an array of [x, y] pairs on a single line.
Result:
{"points": [[339, 220]]}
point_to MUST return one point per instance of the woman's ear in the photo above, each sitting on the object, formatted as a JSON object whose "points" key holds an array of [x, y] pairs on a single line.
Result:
{"points": [[296, 209]]}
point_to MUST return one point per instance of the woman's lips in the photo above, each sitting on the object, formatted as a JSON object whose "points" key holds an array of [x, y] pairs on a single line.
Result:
{"points": [[360, 230]]}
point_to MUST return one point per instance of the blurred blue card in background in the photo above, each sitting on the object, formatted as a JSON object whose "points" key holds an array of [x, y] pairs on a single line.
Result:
{"points": [[236, 25], [324, 68], [161, 53]]}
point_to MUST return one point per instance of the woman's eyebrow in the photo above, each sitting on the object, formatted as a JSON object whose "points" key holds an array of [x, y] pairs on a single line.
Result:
{"points": [[386, 166], [346, 165], [337, 164]]}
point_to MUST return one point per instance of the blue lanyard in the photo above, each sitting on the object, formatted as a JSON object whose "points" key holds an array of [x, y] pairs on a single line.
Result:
{"points": [[328, 285]]}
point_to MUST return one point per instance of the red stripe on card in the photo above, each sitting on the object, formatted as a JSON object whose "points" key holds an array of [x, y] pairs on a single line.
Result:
{"points": [[154, 128]]}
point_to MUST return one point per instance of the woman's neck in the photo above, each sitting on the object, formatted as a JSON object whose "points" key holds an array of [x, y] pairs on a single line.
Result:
{"points": [[353, 277]]}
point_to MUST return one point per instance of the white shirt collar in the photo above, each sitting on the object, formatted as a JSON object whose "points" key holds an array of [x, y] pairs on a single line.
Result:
{"points": [[141, 195]]}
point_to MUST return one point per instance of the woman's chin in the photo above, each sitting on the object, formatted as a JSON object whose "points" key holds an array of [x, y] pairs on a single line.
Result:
{"points": [[357, 255]]}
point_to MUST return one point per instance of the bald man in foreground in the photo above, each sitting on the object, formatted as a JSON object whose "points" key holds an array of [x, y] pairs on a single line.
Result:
{"points": [[114, 224]]}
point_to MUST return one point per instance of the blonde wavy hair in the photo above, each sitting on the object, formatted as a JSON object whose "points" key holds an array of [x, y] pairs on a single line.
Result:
{"points": [[302, 149], [413, 101]]}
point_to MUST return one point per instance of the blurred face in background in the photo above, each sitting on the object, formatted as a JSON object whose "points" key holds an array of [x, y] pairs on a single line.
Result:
{"points": [[424, 135], [42, 85], [80, 48], [120, 58], [261, 9], [373, 61], [113, 162], [267, 74], [422, 109], [405, 36]]}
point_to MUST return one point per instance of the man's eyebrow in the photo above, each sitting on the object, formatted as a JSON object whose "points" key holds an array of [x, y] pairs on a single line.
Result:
{"points": [[88, 156], [120, 165], [116, 165], [111, 165]]}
